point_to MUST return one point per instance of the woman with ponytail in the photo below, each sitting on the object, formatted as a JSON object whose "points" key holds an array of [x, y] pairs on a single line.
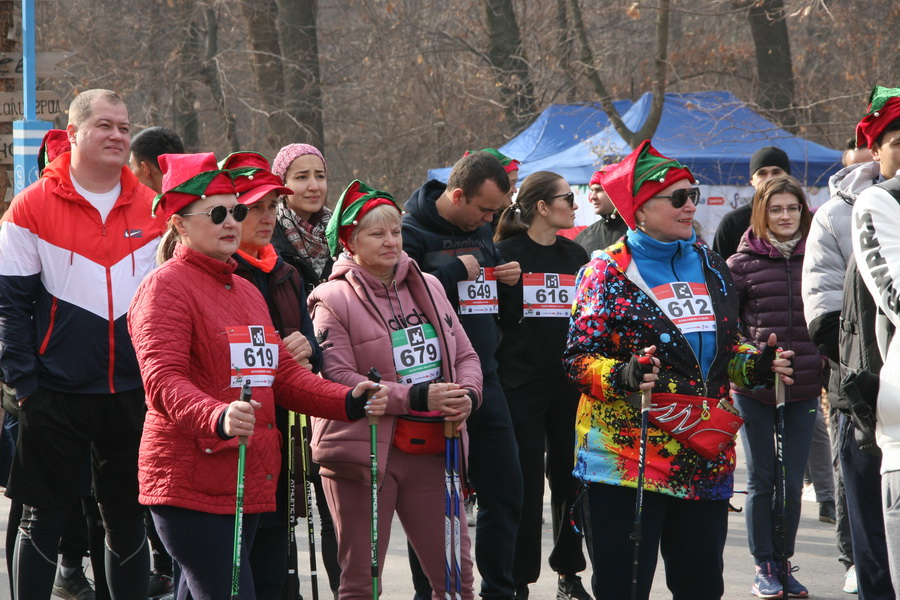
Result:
{"points": [[535, 314]]}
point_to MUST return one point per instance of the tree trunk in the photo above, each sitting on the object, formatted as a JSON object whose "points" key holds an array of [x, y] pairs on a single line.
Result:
{"points": [[302, 80], [186, 119], [647, 130], [262, 18], [566, 52], [773, 61], [209, 74], [507, 58]]}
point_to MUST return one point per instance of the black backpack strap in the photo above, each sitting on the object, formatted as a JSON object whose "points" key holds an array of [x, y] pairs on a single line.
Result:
{"points": [[891, 186]]}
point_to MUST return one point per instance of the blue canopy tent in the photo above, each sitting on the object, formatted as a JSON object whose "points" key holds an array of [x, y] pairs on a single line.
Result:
{"points": [[713, 133], [558, 127]]}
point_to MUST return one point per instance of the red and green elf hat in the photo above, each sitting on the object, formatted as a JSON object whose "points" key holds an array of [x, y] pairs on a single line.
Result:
{"points": [[252, 176], [357, 200], [509, 164], [55, 142], [884, 107], [598, 175], [187, 178], [640, 176]]}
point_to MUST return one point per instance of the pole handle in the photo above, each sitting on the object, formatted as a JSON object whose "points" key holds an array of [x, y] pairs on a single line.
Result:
{"points": [[245, 397], [373, 375], [779, 386]]}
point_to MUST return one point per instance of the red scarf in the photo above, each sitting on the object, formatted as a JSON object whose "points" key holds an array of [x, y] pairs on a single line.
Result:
{"points": [[266, 261]]}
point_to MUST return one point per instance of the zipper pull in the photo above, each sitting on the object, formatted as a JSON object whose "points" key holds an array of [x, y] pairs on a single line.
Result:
{"points": [[704, 411]]}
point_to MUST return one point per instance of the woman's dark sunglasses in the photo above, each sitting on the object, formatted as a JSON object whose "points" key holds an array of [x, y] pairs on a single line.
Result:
{"points": [[217, 214], [680, 197], [570, 198]]}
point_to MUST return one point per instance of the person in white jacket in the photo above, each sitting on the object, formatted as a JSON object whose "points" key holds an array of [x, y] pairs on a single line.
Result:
{"points": [[876, 246]]}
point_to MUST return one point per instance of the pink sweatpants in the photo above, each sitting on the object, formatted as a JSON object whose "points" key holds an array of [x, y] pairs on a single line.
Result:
{"points": [[413, 487]]}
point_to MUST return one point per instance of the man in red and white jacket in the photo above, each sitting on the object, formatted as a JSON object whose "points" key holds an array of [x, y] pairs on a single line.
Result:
{"points": [[73, 248]]}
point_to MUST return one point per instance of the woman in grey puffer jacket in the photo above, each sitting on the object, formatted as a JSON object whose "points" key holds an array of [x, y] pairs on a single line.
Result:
{"points": [[767, 276]]}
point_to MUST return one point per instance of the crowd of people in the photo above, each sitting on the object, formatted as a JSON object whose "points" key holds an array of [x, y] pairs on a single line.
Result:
{"points": [[165, 316]]}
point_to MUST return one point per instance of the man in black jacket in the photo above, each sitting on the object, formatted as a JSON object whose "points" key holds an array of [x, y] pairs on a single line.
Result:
{"points": [[765, 163], [447, 231], [608, 228]]}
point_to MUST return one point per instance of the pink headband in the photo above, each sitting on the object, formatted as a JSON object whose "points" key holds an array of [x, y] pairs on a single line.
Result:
{"points": [[289, 153]]}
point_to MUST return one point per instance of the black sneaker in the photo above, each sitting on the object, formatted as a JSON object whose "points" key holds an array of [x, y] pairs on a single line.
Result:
{"points": [[76, 587], [826, 512], [570, 588], [521, 592], [159, 585]]}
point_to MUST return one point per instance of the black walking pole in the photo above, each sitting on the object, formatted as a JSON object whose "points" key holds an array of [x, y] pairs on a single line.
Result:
{"points": [[781, 495], [636, 534]]}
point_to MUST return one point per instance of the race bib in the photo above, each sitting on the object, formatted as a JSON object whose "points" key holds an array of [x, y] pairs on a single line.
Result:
{"points": [[479, 295], [254, 355], [417, 354], [687, 304], [547, 294]]}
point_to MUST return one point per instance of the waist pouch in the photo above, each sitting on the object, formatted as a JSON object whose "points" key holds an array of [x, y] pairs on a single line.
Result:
{"points": [[415, 434], [696, 422]]}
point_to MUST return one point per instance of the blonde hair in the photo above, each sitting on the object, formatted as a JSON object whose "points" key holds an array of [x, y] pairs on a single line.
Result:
{"points": [[383, 214], [166, 248], [80, 107]]}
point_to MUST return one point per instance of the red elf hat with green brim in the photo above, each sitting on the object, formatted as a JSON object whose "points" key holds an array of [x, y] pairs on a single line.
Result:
{"points": [[884, 107], [598, 175], [252, 176], [357, 200], [55, 142], [640, 176], [187, 178], [509, 164]]}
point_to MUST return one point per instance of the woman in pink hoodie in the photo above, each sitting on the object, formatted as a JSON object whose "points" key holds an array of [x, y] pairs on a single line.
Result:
{"points": [[379, 309]]}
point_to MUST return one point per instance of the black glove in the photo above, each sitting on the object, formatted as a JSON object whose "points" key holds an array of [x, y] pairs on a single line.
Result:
{"points": [[763, 367], [861, 390], [631, 376]]}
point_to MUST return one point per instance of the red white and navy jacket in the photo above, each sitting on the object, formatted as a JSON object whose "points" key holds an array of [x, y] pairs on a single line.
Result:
{"points": [[66, 282]]}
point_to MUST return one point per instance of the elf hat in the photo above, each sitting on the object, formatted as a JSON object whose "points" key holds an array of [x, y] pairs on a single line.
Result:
{"points": [[357, 200], [252, 178], [187, 178], [884, 108], [55, 142], [640, 176], [598, 175], [509, 164]]}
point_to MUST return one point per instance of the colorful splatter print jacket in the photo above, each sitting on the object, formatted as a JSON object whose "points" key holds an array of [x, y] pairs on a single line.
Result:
{"points": [[613, 318]]}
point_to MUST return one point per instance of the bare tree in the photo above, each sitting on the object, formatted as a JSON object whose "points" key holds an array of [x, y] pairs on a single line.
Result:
{"points": [[632, 138], [506, 56], [774, 68]]}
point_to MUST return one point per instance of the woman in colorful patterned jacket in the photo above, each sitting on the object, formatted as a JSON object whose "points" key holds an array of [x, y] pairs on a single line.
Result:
{"points": [[658, 311]]}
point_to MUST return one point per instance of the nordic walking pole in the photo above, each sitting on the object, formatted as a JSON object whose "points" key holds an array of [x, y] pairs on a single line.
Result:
{"points": [[452, 549], [375, 376], [239, 506], [310, 525], [457, 497], [636, 534], [781, 495]]}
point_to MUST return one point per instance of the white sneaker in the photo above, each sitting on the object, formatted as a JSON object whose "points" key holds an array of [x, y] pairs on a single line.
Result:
{"points": [[469, 505], [850, 581]]}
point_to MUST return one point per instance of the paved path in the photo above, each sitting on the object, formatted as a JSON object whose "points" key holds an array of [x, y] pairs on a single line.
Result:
{"points": [[819, 569]]}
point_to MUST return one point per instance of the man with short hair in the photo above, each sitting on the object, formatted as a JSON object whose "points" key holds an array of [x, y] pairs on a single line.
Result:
{"points": [[447, 231], [765, 163], [73, 249], [608, 228], [829, 248], [146, 147]]}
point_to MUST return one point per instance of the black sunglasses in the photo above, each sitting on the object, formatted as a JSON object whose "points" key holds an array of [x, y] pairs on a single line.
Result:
{"points": [[218, 213], [570, 198], [680, 197]]}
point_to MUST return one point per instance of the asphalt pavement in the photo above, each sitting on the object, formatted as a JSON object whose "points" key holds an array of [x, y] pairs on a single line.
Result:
{"points": [[816, 558]]}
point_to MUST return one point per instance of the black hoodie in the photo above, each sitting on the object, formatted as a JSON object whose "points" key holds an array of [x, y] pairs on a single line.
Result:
{"points": [[434, 243]]}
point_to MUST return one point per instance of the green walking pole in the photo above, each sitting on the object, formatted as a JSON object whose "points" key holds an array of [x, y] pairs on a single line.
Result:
{"points": [[375, 376], [239, 506]]}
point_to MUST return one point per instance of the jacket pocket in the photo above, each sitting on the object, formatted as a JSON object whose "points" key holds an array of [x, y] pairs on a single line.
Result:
{"points": [[46, 341]]}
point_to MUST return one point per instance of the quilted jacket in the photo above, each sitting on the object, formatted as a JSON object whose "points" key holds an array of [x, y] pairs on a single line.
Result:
{"points": [[354, 314], [178, 321], [769, 288], [614, 319]]}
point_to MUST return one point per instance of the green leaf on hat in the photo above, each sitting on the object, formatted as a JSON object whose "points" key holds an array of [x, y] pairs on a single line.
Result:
{"points": [[651, 167], [880, 96]]}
